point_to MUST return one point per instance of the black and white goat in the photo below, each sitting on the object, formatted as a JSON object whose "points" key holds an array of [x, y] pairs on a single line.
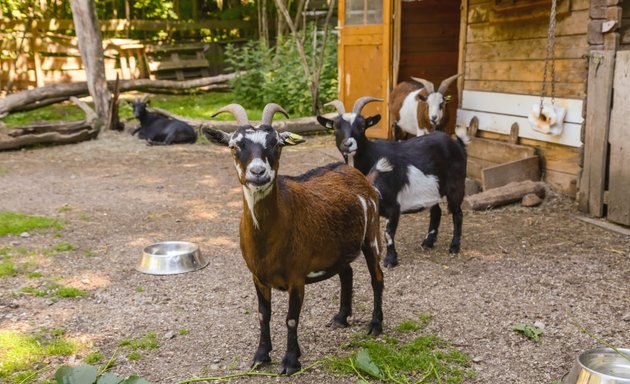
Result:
{"points": [[409, 175], [299, 230], [417, 108], [160, 130]]}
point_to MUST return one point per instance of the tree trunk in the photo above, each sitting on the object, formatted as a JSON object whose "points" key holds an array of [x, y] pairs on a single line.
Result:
{"points": [[91, 47]]}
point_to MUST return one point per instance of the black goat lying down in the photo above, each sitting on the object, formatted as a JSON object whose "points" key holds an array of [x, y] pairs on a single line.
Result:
{"points": [[409, 175], [299, 230], [160, 130]]}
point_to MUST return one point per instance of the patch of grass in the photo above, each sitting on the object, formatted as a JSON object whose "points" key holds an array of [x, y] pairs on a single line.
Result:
{"points": [[62, 246], [425, 358], [184, 332], [93, 357], [7, 267], [70, 292], [139, 289], [16, 223], [135, 355], [89, 253], [148, 341], [33, 291], [23, 356], [34, 275], [64, 209], [530, 331], [61, 111]]}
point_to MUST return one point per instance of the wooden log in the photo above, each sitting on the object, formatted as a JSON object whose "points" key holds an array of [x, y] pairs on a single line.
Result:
{"points": [[506, 194], [64, 91], [513, 171], [64, 132], [300, 125]]}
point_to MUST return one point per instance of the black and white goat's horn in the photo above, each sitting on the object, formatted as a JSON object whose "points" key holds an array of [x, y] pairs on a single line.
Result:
{"points": [[427, 84], [338, 104], [361, 101], [237, 110], [447, 83], [270, 110]]}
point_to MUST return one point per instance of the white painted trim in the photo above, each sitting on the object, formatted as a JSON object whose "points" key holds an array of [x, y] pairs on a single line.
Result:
{"points": [[498, 111], [498, 123]]}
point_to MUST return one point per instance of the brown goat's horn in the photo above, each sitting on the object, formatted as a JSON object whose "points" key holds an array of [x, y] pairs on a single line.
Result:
{"points": [[361, 101], [237, 110], [447, 83], [338, 104], [270, 110], [427, 84]]}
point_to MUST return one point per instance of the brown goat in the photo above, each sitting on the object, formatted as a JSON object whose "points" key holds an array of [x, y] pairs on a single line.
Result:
{"points": [[417, 108], [299, 230]]}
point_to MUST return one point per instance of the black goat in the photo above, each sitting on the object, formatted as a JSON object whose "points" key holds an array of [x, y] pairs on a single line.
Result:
{"points": [[409, 175], [160, 130]]}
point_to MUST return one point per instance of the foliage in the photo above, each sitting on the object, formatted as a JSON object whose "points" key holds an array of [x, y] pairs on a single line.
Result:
{"points": [[88, 374], [275, 74], [530, 331], [424, 359], [148, 341], [23, 356], [16, 223]]}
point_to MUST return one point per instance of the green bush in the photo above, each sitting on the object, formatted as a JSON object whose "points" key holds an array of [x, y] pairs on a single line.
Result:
{"points": [[275, 74]]}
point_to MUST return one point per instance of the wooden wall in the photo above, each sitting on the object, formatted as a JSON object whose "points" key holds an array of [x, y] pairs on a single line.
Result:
{"points": [[504, 52], [430, 44], [625, 26]]}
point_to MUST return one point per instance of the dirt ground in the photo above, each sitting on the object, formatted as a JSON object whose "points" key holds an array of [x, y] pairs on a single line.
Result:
{"points": [[517, 265]]}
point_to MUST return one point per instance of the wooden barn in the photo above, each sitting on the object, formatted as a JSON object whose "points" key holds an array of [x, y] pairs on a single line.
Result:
{"points": [[500, 47]]}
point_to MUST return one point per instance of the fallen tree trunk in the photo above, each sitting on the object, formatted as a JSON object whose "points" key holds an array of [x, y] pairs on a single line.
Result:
{"points": [[41, 96], [299, 125], [54, 133], [507, 194]]}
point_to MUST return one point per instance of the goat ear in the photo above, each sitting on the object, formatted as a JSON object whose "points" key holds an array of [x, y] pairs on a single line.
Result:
{"points": [[422, 97], [448, 98], [148, 102], [216, 136], [372, 120], [325, 122], [289, 138]]}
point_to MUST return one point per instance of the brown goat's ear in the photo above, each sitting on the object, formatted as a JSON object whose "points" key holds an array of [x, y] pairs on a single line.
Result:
{"points": [[372, 120], [216, 136], [325, 122], [422, 97], [289, 138]]}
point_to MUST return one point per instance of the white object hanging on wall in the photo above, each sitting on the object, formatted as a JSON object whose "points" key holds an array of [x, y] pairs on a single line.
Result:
{"points": [[548, 120]]}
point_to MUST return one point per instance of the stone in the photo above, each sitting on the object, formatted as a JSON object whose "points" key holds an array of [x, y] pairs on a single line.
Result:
{"points": [[531, 200]]}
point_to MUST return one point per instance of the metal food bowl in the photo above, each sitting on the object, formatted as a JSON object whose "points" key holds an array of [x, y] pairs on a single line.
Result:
{"points": [[171, 257], [601, 366]]}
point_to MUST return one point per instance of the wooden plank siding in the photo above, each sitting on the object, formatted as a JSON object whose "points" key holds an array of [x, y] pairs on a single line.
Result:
{"points": [[625, 27], [505, 55]]}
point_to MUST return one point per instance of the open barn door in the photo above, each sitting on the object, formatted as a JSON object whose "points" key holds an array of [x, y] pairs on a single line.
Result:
{"points": [[364, 57]]}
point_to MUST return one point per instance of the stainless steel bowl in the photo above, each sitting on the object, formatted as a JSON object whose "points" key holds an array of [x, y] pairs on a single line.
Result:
{"points": [[171, 257], [600, 366]]}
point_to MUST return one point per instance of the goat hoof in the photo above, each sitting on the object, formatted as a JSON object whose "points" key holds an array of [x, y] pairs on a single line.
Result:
{"points": [[453, 249], [426, 244], [338, 322], [376, 328], [260, 359], [390, 262], [290, 366]]}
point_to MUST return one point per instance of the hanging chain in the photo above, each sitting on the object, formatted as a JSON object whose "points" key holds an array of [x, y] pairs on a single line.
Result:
{"points": [[551, 51]]}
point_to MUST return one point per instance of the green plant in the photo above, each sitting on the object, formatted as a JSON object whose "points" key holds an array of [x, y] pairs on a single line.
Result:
{"points": [[275, 74], [7, 267], [93, 357], [148, 341], [184, 332], [530, 331], [16, 223], [63, 246], [70, 292], [24, 356], [422, 359], [135, 355]]}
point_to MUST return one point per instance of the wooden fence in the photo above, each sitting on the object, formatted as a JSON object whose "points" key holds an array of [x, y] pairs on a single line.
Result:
{"points": [[42, 52]]}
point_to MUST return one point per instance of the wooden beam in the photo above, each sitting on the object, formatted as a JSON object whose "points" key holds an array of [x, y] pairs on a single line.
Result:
{"points": [[600, 80]]}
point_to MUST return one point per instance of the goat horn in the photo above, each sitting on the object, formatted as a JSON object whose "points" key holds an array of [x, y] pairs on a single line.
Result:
{"points": [[361, 101], [427, 84], [268, 112], [237, 110], [447, 83], [144, 98], [338, 104]]}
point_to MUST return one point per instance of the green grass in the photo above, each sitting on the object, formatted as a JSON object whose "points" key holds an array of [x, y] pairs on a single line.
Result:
{"points": [[148, 341], [135, 355], [70, 292], [16, 223], [93, 357], [184, 332], [54, 290], [23, 356], [7, 267], [63, 246], [196, 106], [422, 358]]}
